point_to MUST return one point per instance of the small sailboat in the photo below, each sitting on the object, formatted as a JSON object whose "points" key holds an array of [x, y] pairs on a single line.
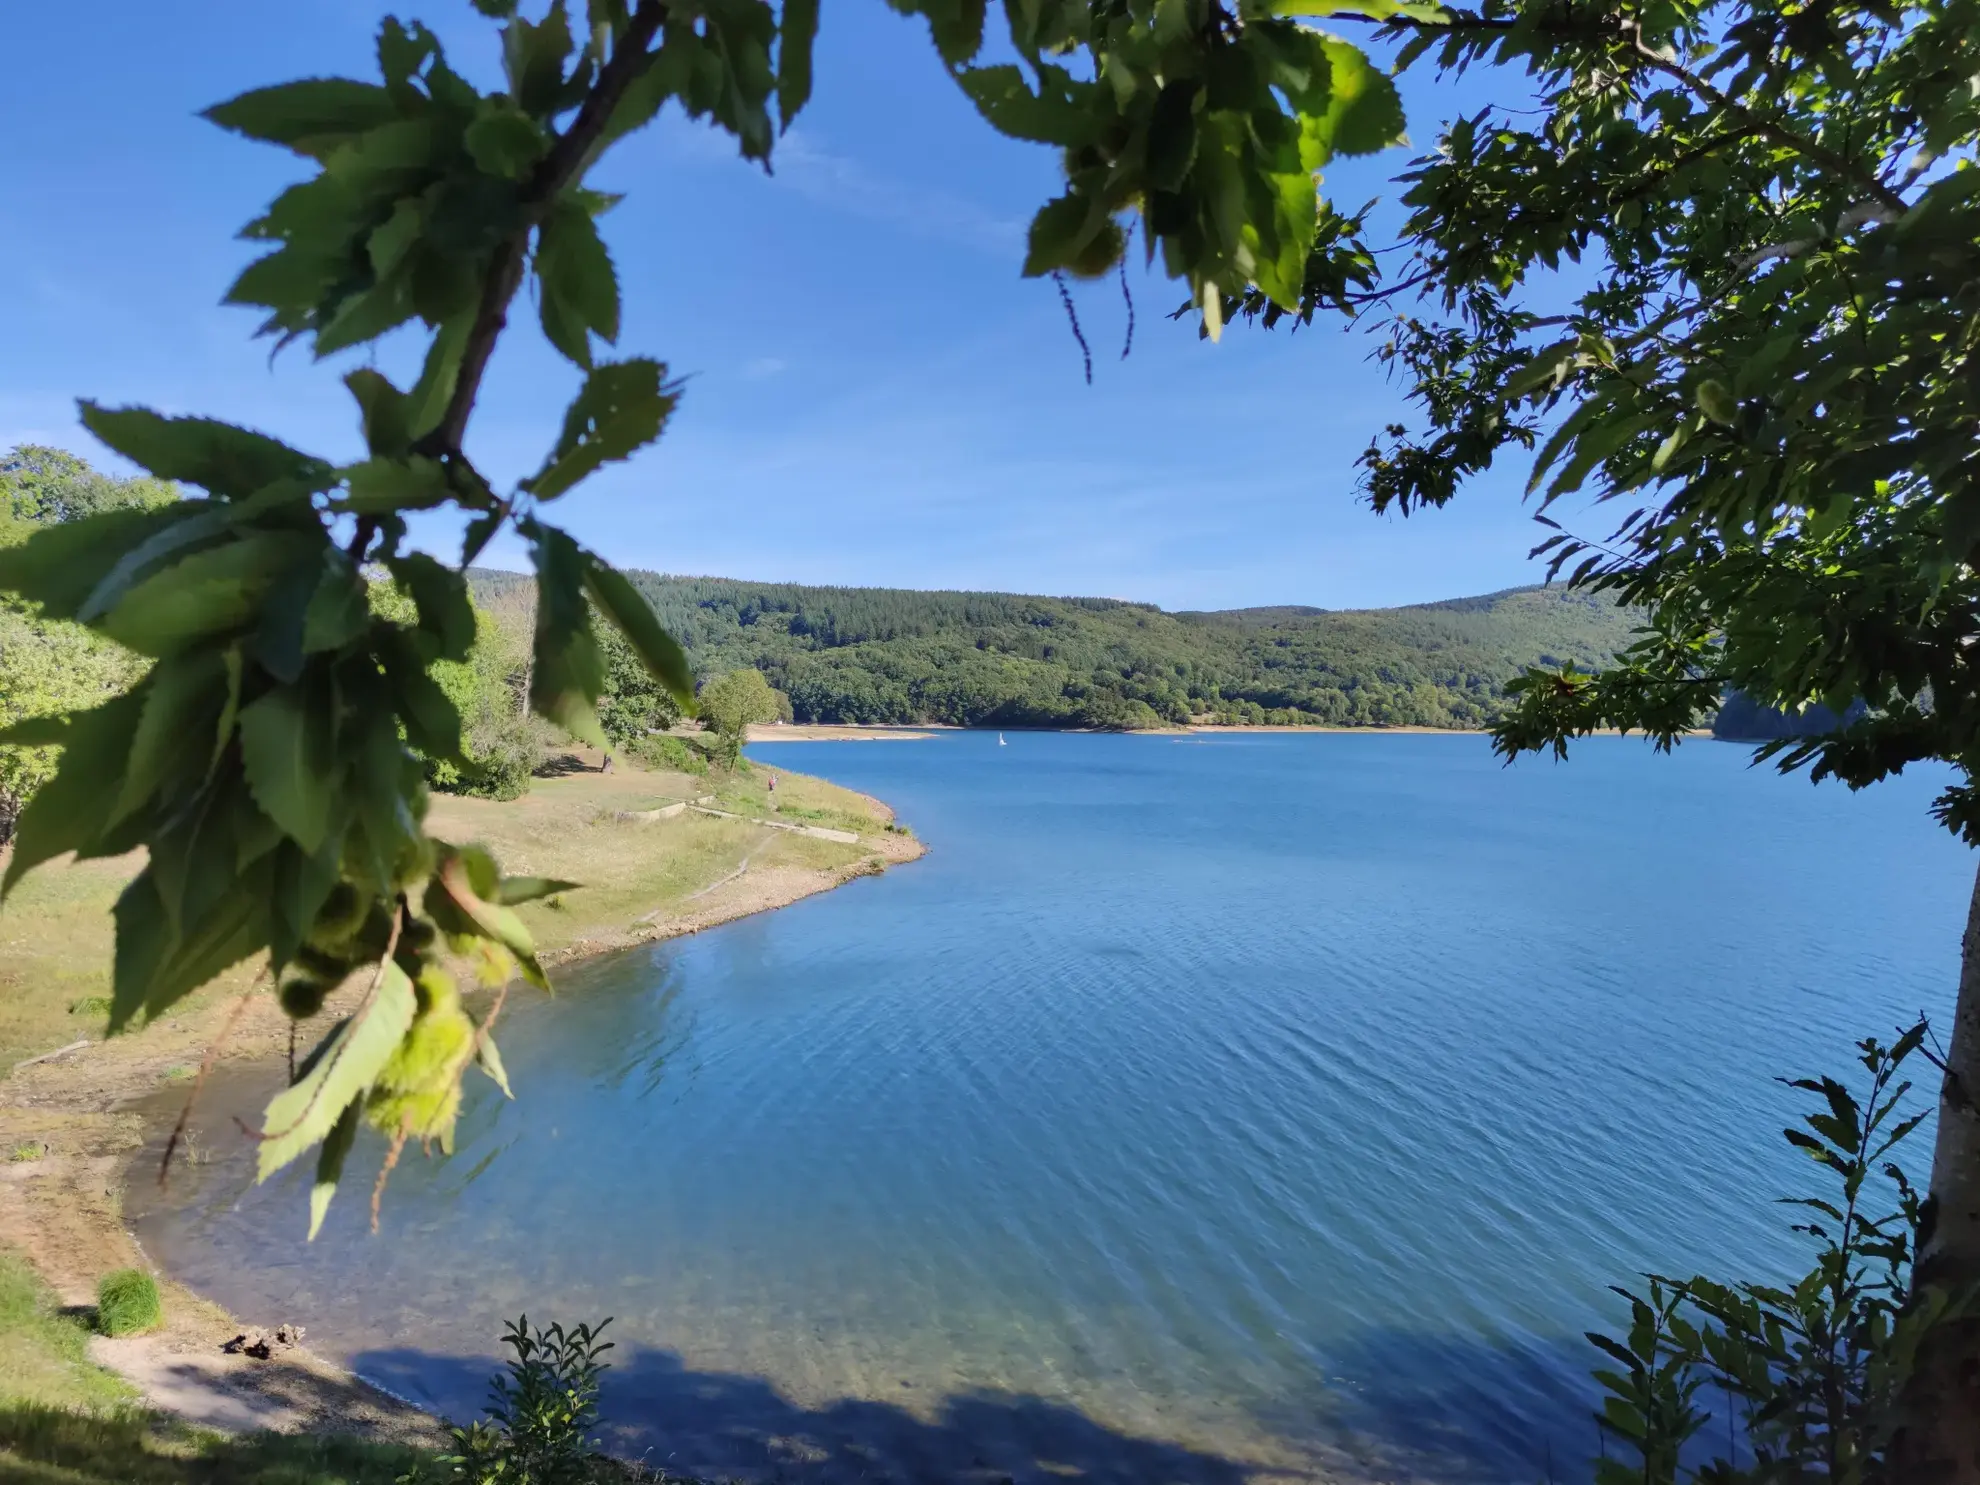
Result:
{"points": [[1000, 741]]}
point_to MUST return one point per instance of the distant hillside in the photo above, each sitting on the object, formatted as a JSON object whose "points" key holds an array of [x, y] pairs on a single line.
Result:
{"points": [[1005, 659]]}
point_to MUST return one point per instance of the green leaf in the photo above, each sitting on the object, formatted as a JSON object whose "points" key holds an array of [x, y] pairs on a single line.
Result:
{"points": [[202, 520], [231, 462], [796, 32], [311, 117], [513, 891], [957, 26], [60, 566], [534, 57], [276, 643], [209, 593], [291, 765], [440, 595], [338, 610], [367, 315], [451, 889], [1171, 147], [402, 51], [427, 402], [1006, 100], [387, 428], [1061, 228], [382, 486], [579, 287], [488, 1058], [338, 1073], [302, 884], [620, 409], [155, 968], [569, 670], [68, 811], [1375, 10], [180, 697], [431, 720], [623, 604], [506, 142], [330, 1165], [1364, 112], [233, 663]]}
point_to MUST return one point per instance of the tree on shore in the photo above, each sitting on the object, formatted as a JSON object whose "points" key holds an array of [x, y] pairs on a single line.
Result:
{"points": [[633, 702], [1723, 285], [730, 705]]}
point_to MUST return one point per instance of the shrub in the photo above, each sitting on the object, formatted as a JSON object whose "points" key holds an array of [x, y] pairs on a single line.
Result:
{"points": [[127, 1302], [27, 1150], [1808, 1375], [538, 1413], [662, 750]]}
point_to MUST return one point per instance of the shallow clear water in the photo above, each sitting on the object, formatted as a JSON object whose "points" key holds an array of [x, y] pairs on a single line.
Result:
{"points": [[1196, 1106]]}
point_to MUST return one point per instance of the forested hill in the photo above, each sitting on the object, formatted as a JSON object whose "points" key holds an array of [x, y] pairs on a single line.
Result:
{"points": [[1003, 659]]}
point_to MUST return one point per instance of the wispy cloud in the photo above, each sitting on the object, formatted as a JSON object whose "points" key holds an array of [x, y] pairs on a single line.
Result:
{"points": [[804, 164], [819, 174], [765, 366]]}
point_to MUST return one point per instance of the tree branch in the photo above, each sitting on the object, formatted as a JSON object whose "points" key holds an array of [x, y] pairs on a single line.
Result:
{"points": [[1837, 164], [1821, 154], [567, 160]]}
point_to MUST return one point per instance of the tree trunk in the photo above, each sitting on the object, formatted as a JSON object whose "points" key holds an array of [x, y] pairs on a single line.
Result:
{"points": [[1938, 1441]]}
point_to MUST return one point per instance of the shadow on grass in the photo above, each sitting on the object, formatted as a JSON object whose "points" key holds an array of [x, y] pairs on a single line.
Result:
{"points": [[129, 1447], [558, 765]]}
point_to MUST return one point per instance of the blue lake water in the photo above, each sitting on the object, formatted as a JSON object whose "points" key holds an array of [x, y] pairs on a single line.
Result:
{"points": [[1196, 1108]]}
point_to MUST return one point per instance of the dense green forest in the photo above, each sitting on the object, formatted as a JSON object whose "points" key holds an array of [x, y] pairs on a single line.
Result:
{"points": [[1006, 660]]}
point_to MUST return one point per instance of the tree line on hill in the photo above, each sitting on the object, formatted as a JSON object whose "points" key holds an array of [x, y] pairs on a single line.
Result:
{"points": [[884, 655], [890, 655]]}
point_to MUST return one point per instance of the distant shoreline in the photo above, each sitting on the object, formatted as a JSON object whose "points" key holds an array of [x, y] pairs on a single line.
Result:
{"points": [[922, 731], [844, 732]]}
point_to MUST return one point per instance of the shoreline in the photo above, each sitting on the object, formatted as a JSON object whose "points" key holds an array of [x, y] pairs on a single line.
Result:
{"points": [[793, 732], [63, 1211]]}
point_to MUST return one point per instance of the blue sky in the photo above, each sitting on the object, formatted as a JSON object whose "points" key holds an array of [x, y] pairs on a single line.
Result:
{"points": [[876, 396]]}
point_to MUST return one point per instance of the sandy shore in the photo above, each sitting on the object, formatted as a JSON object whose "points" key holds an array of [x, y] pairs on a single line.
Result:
{"points": [[64, 1210], [823, 732]]}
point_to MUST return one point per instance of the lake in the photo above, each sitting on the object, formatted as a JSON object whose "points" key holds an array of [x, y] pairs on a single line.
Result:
{"points": [[1198, 1107]]}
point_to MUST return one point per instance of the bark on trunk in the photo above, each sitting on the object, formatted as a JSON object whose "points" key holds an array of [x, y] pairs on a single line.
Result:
{"points": [[1938, 1442]]}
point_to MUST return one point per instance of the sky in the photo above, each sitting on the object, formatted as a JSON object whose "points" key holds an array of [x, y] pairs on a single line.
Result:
{"points": [[875, 395]]}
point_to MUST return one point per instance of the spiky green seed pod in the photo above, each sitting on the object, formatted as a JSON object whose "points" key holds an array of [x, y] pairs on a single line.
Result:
{"points": [[303, 997], [1716, 401]]}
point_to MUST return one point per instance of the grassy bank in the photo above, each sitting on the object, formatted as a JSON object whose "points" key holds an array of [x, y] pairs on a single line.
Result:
{"points": [[640, 881], [68, 1409], [65, 1420]]}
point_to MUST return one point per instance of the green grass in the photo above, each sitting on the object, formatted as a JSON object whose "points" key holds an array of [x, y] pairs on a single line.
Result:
{"points": [[43, 1445], [27, 1150], [66, 1421], [127, 1302], [44, 1353]]}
